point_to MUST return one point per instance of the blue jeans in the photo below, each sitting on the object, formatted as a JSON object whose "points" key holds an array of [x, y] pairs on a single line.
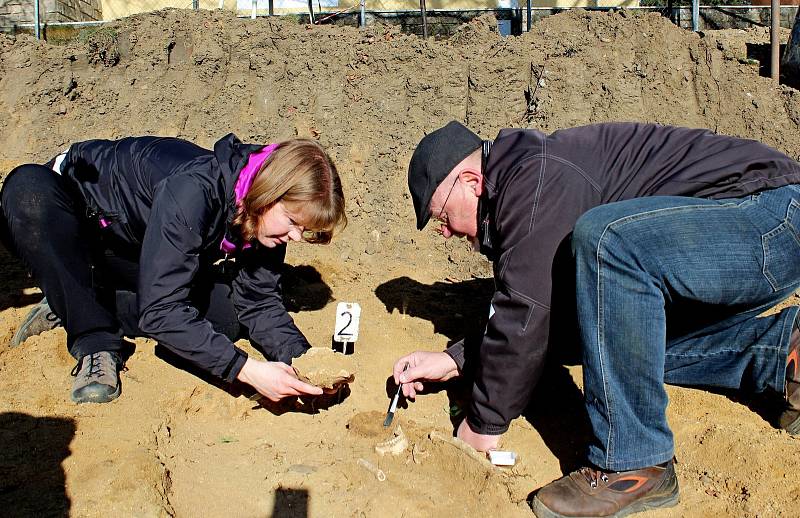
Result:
{"points": [[669, 290]]}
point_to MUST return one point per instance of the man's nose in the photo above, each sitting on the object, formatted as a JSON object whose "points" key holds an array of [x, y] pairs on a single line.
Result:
{"points": [[446, 232]]}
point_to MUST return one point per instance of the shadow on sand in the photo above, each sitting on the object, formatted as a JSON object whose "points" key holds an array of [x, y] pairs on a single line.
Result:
{"points": [[290, 503], [456, 309], [32, 481], [14, 279]]}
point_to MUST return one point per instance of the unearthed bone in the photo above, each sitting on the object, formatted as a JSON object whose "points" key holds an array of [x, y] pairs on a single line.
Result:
{"points": [[417, 453], [461, 445], [395, 445], [379, 474]]}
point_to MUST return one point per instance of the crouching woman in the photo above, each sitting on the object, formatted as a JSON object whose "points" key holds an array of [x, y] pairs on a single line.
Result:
{"points": [[158, 237]]}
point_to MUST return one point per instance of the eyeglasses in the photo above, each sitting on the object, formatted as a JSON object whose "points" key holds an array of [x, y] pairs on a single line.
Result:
{"points": [[439, 216]]}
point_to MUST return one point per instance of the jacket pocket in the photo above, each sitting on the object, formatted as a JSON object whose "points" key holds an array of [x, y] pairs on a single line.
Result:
{"points": [[782, 250]]}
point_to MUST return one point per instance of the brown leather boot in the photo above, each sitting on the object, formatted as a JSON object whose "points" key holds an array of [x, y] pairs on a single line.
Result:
{"points": [[589, 492], [790, 418]]}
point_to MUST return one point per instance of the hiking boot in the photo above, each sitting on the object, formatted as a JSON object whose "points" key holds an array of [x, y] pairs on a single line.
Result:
{"points": [[96, 378], [790, 418], [591, 492], [40, 319]]}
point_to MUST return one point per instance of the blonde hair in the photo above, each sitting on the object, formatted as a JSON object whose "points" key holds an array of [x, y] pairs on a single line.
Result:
{"points": [[299, 172]]}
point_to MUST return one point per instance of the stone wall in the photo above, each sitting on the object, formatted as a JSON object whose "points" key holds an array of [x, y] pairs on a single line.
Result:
{"points": [[14, 12], [514, 21], [726, 17], [73, 10], [711, 17]]}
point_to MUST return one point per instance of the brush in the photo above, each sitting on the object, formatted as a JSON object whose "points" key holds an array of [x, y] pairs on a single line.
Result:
{"points": [[393, 404]]}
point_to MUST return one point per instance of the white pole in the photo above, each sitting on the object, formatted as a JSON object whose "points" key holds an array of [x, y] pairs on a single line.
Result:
{"points": [[255, 6], [222, 4], [37, 19], [775, 44]]}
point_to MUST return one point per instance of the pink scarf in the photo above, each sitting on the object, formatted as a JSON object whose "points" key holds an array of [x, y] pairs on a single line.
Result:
{"points": [[243, 183]]}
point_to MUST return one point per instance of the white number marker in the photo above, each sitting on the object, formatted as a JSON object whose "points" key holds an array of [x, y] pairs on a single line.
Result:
{"points": [[345, 330]]}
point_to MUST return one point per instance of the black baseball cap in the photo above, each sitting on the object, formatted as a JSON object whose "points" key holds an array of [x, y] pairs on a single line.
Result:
{"points": [[433, 159]]}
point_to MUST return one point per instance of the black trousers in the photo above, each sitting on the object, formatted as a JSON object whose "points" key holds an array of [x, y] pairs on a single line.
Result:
{"points": [[88, 278]]}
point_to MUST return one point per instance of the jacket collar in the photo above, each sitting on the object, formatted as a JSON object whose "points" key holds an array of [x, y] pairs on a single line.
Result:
{"points": [[501, 161], [485, 204], [231, 156]]}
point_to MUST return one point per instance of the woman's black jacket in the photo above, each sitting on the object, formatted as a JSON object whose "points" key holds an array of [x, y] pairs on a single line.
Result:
{"points": [[174, 201]]}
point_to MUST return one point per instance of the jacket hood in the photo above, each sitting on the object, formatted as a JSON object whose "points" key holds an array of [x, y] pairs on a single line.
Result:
{"points": [[231, 156]]}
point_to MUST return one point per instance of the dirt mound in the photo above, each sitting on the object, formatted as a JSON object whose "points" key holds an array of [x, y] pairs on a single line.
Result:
{"points": [[479, 30], [172, 443]]}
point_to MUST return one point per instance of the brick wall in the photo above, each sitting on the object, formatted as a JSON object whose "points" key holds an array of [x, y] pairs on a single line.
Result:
{"points": [[22, 11]]}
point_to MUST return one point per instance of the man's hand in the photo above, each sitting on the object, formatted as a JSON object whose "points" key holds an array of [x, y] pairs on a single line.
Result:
{"points": [[423, 366], [275, 380], [478, 441]]}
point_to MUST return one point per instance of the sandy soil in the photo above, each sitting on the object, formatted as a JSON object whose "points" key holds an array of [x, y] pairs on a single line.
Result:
{"points": [[176, 445]]}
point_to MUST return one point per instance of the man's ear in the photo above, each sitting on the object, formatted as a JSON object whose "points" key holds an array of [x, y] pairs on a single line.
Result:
{"points": [[473, 179]]}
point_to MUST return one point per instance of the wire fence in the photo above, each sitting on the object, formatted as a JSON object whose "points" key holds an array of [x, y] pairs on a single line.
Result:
{"points": [[20, 15]]}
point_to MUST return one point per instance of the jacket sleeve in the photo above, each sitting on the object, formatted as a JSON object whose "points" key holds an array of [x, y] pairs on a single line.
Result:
{"points": [[510, 359], [181, 212], [537, 213], [258, 299]]}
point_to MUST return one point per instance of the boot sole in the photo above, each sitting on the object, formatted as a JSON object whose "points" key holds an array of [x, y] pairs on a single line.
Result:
{"points": [[794, 427], [646, 504], [98, 399]]}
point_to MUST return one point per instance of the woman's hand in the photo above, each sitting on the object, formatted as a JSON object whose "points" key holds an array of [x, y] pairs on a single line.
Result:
{"points": [[275, 380], [423, 366]]}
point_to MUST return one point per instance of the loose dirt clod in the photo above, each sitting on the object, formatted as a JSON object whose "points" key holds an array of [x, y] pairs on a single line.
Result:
{"points": [[325, 369], [438, 437]]}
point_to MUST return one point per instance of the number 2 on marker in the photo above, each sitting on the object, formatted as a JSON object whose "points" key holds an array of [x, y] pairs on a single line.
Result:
{"points": [[347, 318]]}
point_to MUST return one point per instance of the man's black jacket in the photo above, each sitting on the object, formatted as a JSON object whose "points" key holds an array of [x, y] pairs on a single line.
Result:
{"points": [[536, 188], [174, 201]]}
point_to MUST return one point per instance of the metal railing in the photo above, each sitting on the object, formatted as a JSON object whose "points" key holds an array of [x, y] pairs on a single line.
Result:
{"points": [[531, 12]]}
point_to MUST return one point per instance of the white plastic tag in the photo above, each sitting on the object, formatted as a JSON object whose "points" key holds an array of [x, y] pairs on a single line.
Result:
{"points": [[348, 315], [502, 458]]}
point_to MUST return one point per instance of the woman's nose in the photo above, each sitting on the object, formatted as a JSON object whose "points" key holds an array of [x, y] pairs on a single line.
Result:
{"points": [[296, 234]]}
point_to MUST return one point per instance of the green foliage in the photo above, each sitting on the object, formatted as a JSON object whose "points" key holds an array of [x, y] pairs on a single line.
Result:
{"points": [[97, 33]]}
